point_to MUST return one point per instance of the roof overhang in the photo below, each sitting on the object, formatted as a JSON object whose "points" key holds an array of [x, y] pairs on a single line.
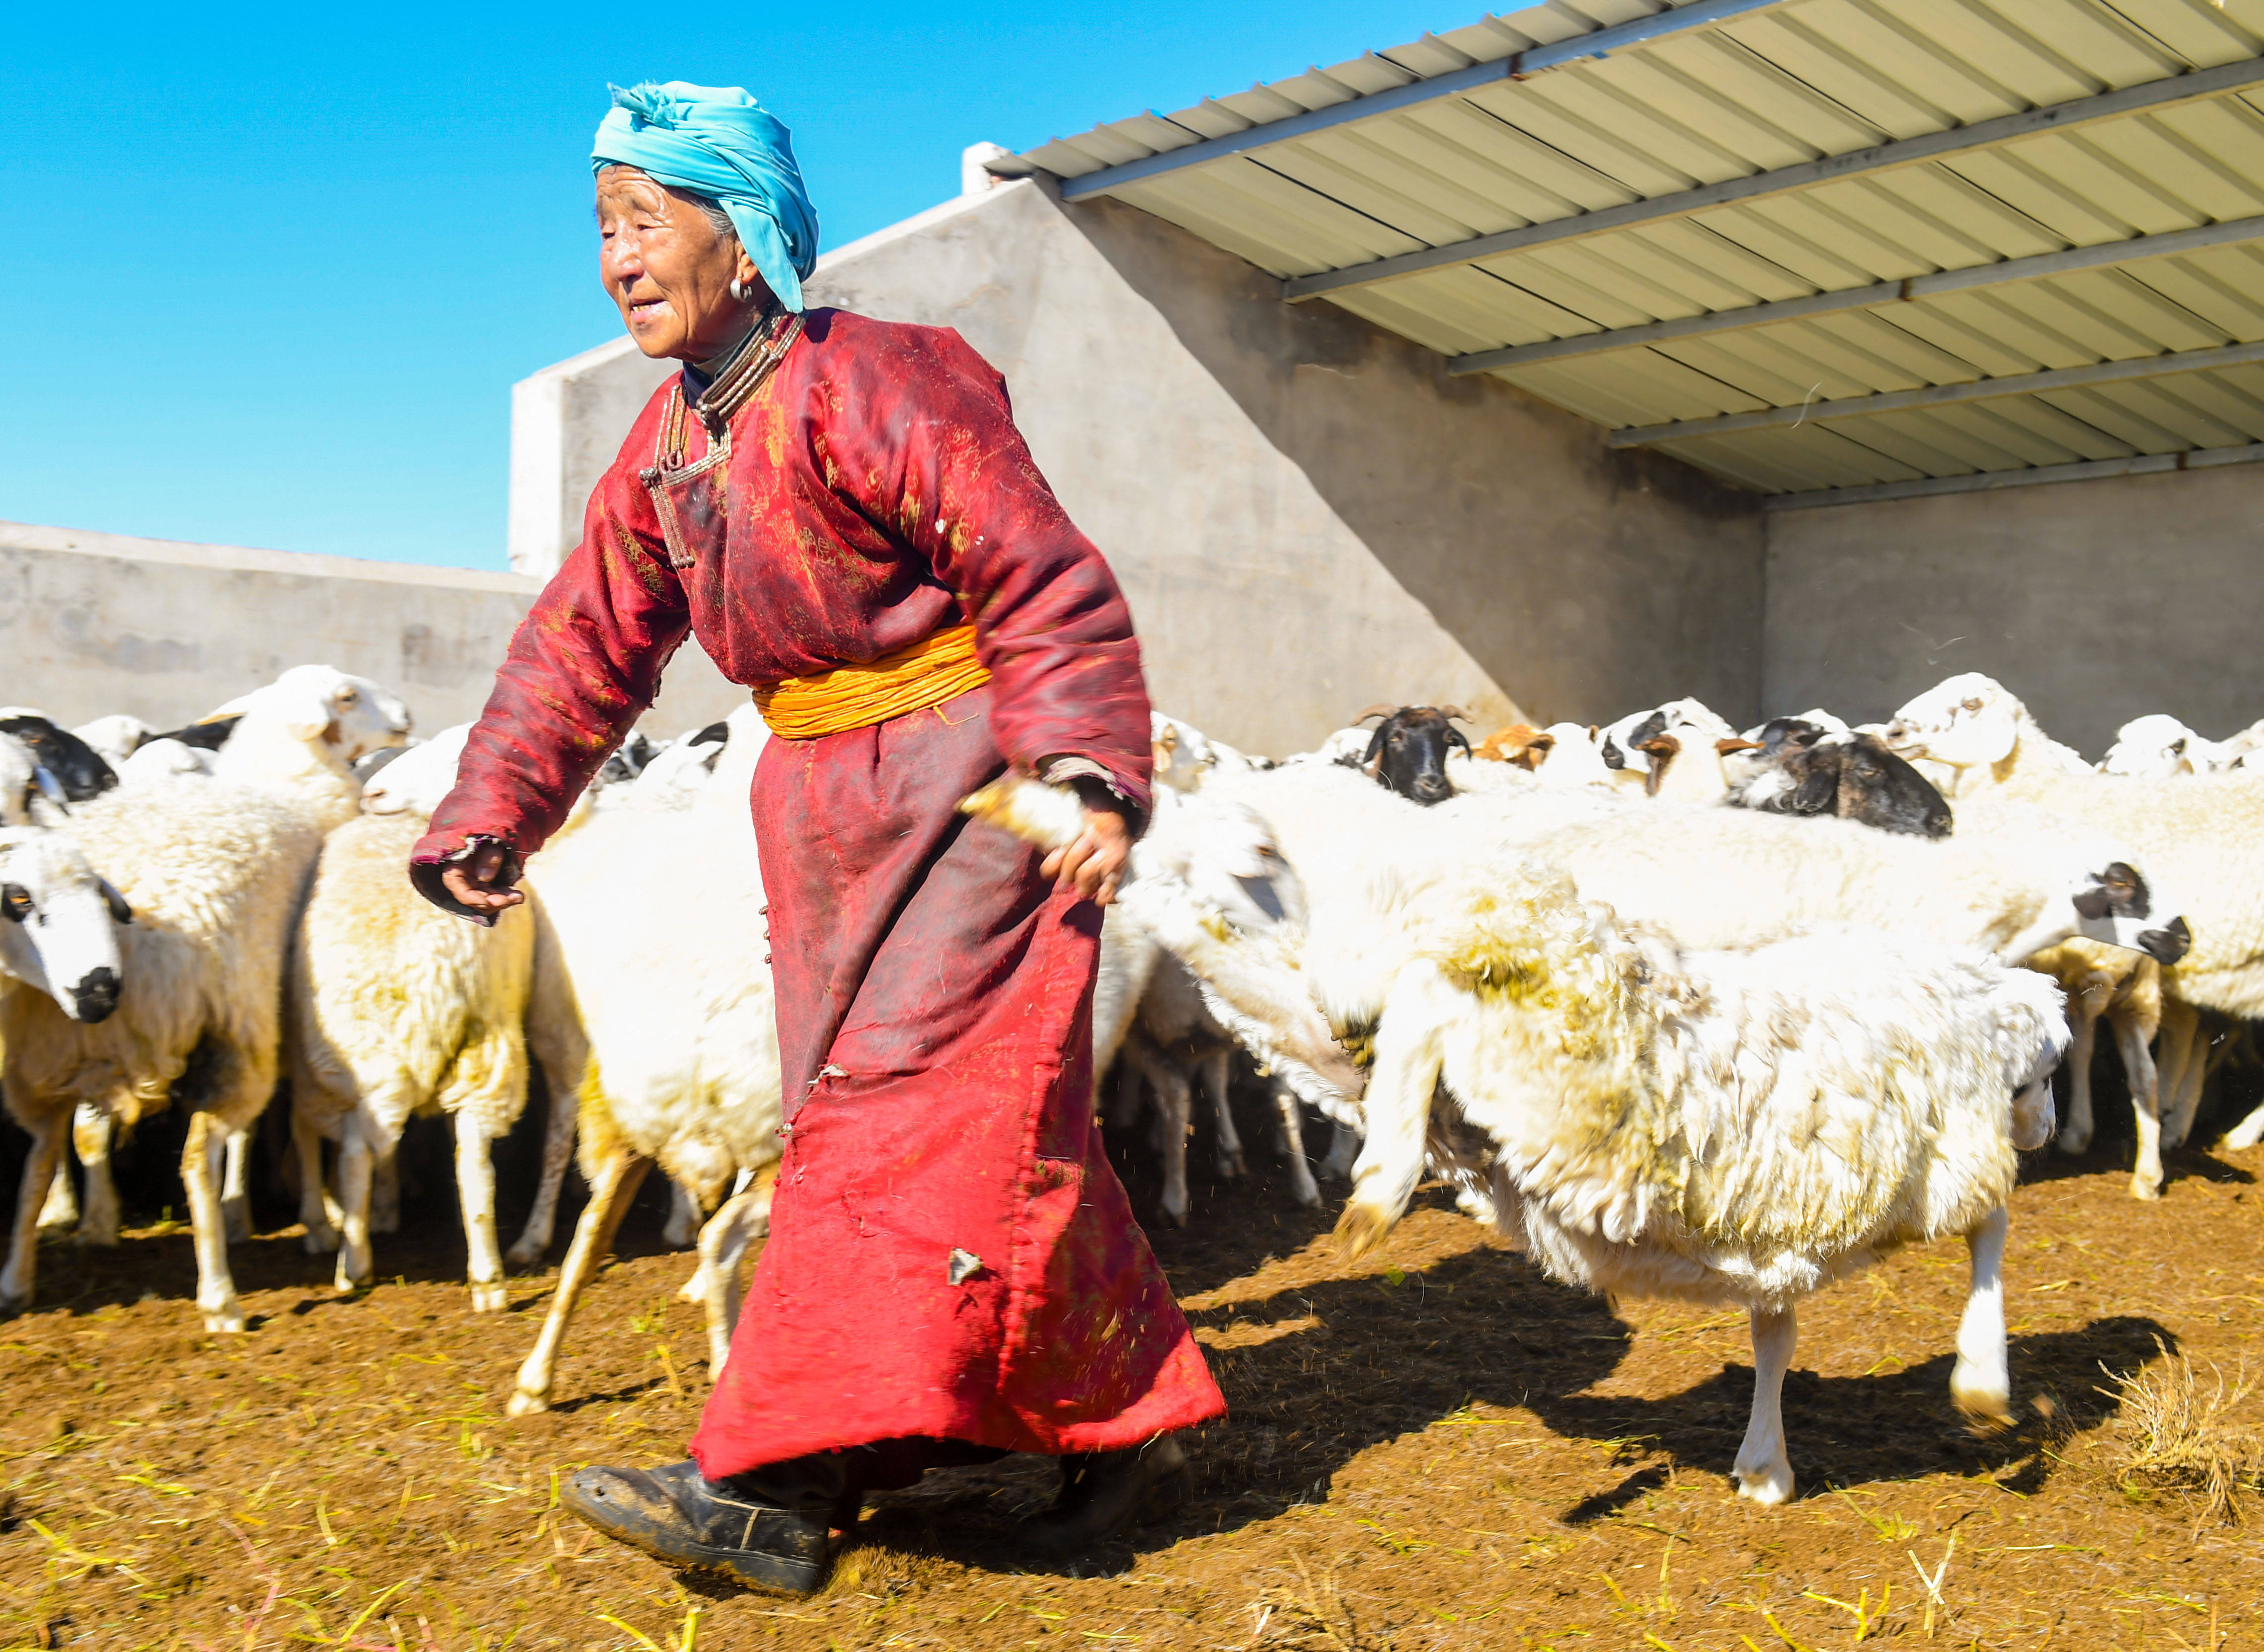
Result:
{"points": [[1808, 245]]}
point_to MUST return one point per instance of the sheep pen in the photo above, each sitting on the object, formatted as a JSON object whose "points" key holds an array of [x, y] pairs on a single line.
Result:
{"points": [[1433, 1447]]}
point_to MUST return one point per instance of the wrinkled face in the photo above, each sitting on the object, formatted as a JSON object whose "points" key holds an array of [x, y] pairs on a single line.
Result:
{"points": [[57, 924], [668, 269]]}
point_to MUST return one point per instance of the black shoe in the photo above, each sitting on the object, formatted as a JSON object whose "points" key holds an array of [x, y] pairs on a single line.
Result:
{"points": [[1103, 1492], [677, 1517]]}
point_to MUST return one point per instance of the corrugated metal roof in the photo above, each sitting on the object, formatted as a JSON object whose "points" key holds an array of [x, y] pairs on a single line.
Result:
{"points": [[1761, 151]]}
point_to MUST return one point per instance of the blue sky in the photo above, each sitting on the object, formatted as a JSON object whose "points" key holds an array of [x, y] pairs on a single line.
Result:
{"points": [[276, 269]]}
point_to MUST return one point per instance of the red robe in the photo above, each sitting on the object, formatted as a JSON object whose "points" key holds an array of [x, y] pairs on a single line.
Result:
{"points": [[934, 994]]}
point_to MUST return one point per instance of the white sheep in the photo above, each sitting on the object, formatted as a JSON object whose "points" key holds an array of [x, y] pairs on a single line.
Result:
{"points": [[2158, 747], [1717, 1127], [116, 736], [300, 736], [212, 873], [2197, 836], [1735, 1125], [396, 1008], [659, 1018]]}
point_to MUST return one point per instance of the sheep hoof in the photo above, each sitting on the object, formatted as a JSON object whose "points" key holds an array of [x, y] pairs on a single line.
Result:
{"points": [[319, 1242], [489, 1297], [96, 1236], [523, 1258], [1768, 1485], [235, 1224], [524, 1405], [1309, 1195], [227, 1321], [2072, 1144], [2146, 1188], [1172, 1218], [1360, 1230], [1990, 1406], [1230, 1167]]}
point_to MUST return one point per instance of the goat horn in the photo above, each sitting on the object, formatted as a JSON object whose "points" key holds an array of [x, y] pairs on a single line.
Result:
{"points": [[1383, 710], [1456, 712]]}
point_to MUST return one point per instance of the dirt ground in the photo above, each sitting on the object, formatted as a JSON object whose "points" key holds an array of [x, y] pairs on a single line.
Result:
{"points": [[1434, 1448]]}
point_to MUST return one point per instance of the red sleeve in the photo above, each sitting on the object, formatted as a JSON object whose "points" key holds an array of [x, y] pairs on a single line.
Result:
{"points": [[583, 667], [924, 444]]}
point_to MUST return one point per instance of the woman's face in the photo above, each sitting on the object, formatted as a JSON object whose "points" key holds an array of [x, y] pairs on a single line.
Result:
{"points": [[669, 270]]}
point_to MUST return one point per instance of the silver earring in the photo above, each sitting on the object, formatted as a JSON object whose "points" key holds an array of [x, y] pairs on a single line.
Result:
{"points": [[739, 290]]}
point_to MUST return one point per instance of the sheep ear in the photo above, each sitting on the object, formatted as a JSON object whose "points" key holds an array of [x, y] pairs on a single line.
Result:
{"points": [[1995, 733], [1536, 753], [15, 903], [121, 910], [1455, 737], [307, 717], [1724, 748], [1662, 750], [1374, 752]]}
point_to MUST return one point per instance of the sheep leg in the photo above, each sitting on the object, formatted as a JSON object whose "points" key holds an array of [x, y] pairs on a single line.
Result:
{"points": [[557, 1152], [1292, 1119], [684, 1218], [16, 1278], [93, 1129], [2181, 1100], [357, 1165], [2179, 1047], [1344, 1152], [1124, 1106], [385, 1187], [614, 1185], [1173, 1104], [216, 1297], [1762, 1470], [2248, 1132], [476, 1194], [1215, 1072], [2083, 1021], [234, 1183], [60, 1213], [317, 1210], [740, 1228], [1980, 1384], [2132, 1033], [1410, 1051]]}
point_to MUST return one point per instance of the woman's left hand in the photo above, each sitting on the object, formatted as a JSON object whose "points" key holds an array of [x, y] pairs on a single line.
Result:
{"points": [[1094, 863]]}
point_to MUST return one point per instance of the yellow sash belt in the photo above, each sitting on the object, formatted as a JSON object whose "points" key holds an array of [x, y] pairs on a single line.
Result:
{"points": [[927, 673]]}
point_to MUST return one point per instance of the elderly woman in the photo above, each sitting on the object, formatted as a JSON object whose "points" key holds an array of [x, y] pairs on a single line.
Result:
{"points": [[842, 513]]}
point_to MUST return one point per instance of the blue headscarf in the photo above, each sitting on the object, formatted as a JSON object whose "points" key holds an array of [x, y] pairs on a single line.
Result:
{"points": [[715, 141]]}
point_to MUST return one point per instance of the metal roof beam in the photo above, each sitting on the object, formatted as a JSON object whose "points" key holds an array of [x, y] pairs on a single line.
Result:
{"points": [[1990, 480], [1517, 66], [2060, 116], [1852, 407], [1999, 274]]}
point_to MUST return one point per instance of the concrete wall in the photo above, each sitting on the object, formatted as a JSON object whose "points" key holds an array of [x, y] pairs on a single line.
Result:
{"points": [[2095, 601], [1306, 514], [95, 623]]}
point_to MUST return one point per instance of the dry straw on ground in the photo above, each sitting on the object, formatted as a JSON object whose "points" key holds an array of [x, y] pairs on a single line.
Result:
{"points": [[2189, 1433]]}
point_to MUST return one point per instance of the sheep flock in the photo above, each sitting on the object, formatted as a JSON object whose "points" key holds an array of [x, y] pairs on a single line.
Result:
{"points": [[1680, 1010]]}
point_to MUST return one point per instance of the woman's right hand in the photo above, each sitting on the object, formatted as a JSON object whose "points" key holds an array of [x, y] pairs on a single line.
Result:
{"points": [[476, 880]]}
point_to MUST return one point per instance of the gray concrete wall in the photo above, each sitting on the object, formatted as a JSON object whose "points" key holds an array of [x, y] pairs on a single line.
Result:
{"points": [[95, 623], [2095, 601], [1306, 514]]}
